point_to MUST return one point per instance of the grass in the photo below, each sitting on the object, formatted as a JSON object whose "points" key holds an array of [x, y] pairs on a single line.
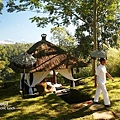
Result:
{"points": [[52, 107]]}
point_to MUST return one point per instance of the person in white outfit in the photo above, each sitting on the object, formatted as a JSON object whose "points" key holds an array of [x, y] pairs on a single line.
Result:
{"points": [[100, 80]]}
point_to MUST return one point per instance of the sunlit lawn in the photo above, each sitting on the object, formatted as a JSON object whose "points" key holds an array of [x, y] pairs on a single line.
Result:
{"points": [[52, 107]]}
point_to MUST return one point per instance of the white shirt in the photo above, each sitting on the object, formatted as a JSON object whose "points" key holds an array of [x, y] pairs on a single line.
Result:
{"points": [[101, 73]]}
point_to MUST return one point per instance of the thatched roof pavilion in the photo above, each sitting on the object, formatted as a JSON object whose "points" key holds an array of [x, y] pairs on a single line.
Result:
{"points": [[50, 57]]}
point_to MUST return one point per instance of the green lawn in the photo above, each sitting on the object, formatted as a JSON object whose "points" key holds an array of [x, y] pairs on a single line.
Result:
{"points": [[51, 107]]}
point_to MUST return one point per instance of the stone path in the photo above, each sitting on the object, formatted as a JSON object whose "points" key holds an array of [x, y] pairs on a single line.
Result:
{"points": [[103, 115], [96, 106], [99, 111]]}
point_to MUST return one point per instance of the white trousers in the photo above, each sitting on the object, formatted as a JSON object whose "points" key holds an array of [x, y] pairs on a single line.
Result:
{"points": [[102, 87]]}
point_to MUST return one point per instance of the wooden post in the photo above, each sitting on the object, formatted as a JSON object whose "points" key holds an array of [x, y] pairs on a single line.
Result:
{"points": [[23, 85], [72, 83], [54, 77]]}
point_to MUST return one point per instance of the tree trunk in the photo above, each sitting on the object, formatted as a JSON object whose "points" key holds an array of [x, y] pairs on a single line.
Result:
{"points": [[95, 32]]}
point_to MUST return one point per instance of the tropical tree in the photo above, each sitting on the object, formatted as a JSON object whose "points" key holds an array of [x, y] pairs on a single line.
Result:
{"points": [[77, 12], [63, 38]]}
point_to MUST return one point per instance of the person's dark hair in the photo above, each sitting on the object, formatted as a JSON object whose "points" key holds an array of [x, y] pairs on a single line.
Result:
{"points": [[102, 59]]}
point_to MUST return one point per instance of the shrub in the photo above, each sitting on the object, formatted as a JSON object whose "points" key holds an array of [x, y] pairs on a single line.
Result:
{"points": [[113, 61], [8, 84], [62, 80], [84, 72]]}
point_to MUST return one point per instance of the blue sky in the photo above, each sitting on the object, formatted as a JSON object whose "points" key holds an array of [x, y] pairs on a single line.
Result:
{"points": [[18, 28]]}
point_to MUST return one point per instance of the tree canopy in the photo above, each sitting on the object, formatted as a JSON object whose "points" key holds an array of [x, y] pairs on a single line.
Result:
{"points": [[7, 51], [65, 12], [76, 12], [1, 7]]}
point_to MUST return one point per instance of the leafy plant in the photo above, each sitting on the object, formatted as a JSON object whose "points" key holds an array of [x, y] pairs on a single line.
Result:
{"points": [[113, 61]]}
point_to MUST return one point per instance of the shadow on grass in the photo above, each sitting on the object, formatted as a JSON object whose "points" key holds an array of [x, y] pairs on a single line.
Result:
{"points": [[8, 92], [76, 96], [49, 107], [27, 96], [77, 114], [30, 116], [49, 103]]}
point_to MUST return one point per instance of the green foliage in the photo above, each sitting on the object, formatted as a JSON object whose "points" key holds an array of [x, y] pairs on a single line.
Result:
{"points": [[84, 47], [107, 26], [113, 61], [23, 5], [118, 40], [83, 72], [108, 21], [7, 51], [62, 80], [80, 14], [113, 64], [2, 65], [1, 7], [8, 84], [63, 38]]}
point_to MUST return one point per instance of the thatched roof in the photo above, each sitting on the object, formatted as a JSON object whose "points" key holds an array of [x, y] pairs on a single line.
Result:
{"points": [[50, 57], [23, 62]]}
